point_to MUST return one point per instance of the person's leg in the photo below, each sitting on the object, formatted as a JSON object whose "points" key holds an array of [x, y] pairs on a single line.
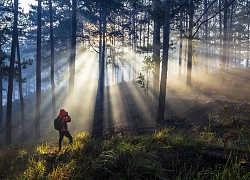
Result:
{"points": [[61, 134], [68, 135]]}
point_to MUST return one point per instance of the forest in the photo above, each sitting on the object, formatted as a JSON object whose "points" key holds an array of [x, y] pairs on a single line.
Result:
{"points": [[156, 89]]}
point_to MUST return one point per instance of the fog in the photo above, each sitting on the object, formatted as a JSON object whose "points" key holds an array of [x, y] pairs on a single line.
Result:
{"points": [[125, 101]]}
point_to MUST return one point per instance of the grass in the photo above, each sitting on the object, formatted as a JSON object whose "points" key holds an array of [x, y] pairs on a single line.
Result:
{"points": [[162, 155]]}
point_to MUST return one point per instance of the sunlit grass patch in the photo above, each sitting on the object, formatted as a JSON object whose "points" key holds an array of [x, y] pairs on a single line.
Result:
{"points": [[14, 159], [162, 133], [178, 140], [128, 160], [62, 171], [43, 148], [151, 156], [231, 171], [35, 170], [129, 146], [81, 136], [206, 136]]}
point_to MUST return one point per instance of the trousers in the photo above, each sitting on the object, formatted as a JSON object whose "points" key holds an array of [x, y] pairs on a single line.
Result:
{"points": [[61, 135]]}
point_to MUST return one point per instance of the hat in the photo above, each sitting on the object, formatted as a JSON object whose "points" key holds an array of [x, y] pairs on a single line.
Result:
{"points": [[62, 113]]}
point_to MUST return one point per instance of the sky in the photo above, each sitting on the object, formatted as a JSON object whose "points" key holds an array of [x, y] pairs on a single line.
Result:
{"points": [[25, 4]]}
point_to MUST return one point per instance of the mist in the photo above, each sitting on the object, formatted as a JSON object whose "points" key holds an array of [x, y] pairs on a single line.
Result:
{"points": [[126, 103]]}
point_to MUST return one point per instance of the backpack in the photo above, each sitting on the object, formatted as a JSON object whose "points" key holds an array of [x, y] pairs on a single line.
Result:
{"points": [[58, 124]]}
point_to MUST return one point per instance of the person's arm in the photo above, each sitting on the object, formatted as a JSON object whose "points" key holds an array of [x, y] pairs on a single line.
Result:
{"points": [[67, 118]]}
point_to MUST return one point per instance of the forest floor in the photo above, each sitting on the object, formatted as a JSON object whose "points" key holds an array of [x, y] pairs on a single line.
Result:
{"points": [[218, 112], [224, 122]]}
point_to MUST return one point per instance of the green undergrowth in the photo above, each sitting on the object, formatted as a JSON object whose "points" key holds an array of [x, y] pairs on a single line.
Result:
{"points": [[161, 155]]}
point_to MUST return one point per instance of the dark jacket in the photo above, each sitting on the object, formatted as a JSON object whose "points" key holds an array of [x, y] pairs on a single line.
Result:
{"points": [[65, 118]]}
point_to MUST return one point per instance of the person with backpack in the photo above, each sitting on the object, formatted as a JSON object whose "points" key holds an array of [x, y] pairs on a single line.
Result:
{"points": [[65, 118]]}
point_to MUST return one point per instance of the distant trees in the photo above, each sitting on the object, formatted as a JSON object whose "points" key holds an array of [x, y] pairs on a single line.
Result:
{"points": [[104, 10], [56, 42], [6, 19], [10, 67], [198, 25], [109, 27]]}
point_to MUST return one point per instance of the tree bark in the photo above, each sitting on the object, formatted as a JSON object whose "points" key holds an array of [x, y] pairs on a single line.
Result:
{"points": [[224, 42], [190, 42], [99, 106], [20, 85], [156, 52], [181, 41], [1, 100], [163, 84], [220, 29], [11, 76], [1, 88], [72, 55], [206, 36], [248, 42], [102, 79], [52, 61], [38, 72]]}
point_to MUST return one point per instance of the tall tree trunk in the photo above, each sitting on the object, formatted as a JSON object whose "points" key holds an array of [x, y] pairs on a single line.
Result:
{"points": [[140, 34], [163, 85], [100, 39], [181, 40], [38, 72], [1, 100], [148, 32], [190, 42], [135, 30], [224, 42], [20, 85], [1, 93], [52, 61], [11, 76], [102, 51], [156, 51], [220, 29], [206, 37], [248, 42], [1, 89], [102, 79], [230, 37], [72, 55], [99, 106]]}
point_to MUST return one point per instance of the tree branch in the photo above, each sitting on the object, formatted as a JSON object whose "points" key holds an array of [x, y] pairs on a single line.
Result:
{"points": [[212, 17], [205, 11], [93, 47]]}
